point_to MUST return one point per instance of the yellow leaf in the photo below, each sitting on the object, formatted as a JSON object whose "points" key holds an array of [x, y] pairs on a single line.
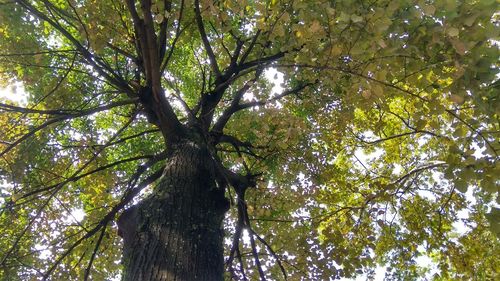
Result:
{"points": [[459, 46], [38, 58], [15, 197], [336, 50], [315, 27], [469, 21], [381, 43], [343, 17], [366, 94], [457, 99], [261, 23], [393, 5], [280, 31], [381, 75], [159, 18], [356, 18], [434, 124], [452, 31], [378, 90], [429, 10], [285, 17], [459, 71]]}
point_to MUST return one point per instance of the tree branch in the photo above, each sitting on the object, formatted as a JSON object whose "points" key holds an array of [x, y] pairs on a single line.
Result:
{"points": [[25, 110], [66, 117], [204, 39], [106, 219], [178, 32], [94, 61], [162, 39], [21, 235], [235, 103], [273, 253], [94, 253]]}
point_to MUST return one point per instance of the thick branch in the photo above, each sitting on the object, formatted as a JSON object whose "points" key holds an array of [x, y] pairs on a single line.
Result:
{"points": [[153, 92]]}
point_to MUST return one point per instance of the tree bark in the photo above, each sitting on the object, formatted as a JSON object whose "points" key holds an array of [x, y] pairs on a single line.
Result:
{"points": [[176, 233]]}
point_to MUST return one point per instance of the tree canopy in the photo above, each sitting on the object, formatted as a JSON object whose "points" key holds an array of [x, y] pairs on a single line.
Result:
{"points": [[367, 129]]}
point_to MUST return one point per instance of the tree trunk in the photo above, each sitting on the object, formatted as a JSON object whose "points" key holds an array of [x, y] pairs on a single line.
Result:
{"points": [[176, 233]]}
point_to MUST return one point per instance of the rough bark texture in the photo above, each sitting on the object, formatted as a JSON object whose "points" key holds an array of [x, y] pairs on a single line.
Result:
{"points": [[176, 233]]}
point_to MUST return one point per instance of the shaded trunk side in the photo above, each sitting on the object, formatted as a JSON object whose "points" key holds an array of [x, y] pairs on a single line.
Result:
{"points": [[176, 233]]}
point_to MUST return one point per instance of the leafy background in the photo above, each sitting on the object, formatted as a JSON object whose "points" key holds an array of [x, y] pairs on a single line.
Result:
{"points": [[389, 154]]}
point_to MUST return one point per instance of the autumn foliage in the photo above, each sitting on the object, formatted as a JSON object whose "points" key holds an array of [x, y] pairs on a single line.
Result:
{"points": [[346, 135]]}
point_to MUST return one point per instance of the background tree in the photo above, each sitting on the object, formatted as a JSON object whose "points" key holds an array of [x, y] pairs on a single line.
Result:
{"points": [[380, 118]]}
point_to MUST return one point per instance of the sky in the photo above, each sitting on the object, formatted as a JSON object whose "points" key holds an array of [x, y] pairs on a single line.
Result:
{"points": [[14, 93]]}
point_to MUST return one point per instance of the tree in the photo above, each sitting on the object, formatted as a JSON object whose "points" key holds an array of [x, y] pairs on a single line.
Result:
{"points": [[162, 123]]}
